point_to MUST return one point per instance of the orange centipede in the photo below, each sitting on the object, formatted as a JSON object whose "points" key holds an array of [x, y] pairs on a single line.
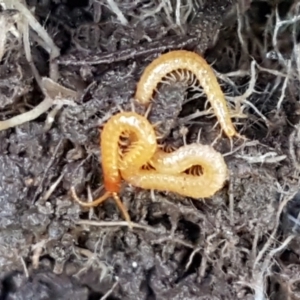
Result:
{"points": [[192, 62], [142, 148], [169, 172], [167, 168], [166, 171]]}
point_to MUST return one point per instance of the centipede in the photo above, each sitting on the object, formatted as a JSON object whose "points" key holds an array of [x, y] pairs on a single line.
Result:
{"points": [[188, 61]]}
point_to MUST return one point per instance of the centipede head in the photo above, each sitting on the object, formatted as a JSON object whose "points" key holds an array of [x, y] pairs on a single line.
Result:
{"points": [[112, 185]]}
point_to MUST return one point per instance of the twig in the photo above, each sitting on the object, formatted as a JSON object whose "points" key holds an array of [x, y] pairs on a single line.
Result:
{"points": [[272, 236], [231, 200], [27, 116], [51, 116], [52, 49], [37, 250], [90, 199], [27, 50], [123, 55], [46, 170], [52, 188], [238, 100], [280, 23], [270, 158], [195, 251], [250, 89], [293, 136], [24, 267], [115, 224], [284, 87], [104, 297], [115, 9], [240, 27], [93, 261], [173, 240], [7, 20], [259, 282]]}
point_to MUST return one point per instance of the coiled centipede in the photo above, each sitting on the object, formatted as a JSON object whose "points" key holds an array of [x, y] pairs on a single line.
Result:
{"points": [[168, 168]]}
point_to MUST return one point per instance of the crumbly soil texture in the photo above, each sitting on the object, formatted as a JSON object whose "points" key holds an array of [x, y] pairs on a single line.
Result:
{"points": [[242, 243]]}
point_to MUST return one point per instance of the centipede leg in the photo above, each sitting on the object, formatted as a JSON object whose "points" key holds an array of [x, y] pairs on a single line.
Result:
{"points": [[241, 137], [238, 136], [158, 123], [167, 148], [90, 204], [149, 107], [158, 136], [120, 108], [132, 105], [122, 208], [217, 138]]}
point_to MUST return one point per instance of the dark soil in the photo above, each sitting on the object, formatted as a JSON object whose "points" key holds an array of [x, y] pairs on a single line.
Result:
{"points": [[243, 243]]}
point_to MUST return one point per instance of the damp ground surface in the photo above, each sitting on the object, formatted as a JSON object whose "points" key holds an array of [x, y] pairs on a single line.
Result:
{"points": [[242, 243]]}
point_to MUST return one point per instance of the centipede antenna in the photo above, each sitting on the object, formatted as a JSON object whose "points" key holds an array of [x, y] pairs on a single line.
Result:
{"points": [[216, 139], [122, 208], [90, 204]]}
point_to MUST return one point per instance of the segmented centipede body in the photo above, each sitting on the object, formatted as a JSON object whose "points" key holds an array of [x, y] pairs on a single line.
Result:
{"points": [[192, 62], [166, 170], [169, 172], [142, 145], [142, 150]]}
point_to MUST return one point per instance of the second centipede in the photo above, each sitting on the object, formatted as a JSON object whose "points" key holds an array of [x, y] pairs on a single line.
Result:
{"points": [[190, 61]]}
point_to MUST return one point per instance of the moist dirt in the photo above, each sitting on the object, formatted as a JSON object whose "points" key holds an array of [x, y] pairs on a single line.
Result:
{"points": [[242, 243]]}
